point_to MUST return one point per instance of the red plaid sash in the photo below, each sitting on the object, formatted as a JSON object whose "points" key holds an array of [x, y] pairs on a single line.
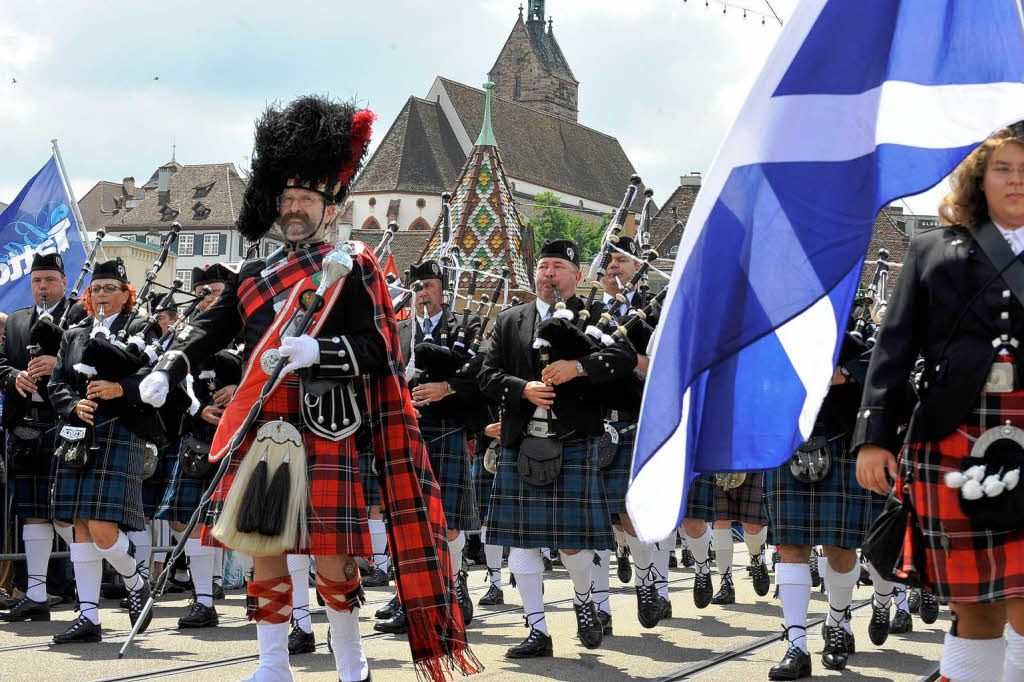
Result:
{"points": [[254, 293]]}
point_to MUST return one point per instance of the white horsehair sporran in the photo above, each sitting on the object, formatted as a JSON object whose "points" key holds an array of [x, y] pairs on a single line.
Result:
{"points": [[280, 443]]}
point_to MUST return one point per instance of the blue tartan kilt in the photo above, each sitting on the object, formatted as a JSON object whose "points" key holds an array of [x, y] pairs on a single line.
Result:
{"points": [[615, 476], [483, 481], [371, 486], [834, 511], [446, 445], [110, 489], [154, 487], [570, 513], [32, 465], [745, 504], [181, 498]]}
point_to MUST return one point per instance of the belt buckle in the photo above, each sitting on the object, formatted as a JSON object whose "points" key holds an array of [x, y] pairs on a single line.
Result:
{"points": [[538, 429], [1000, 378], [613, 416]]}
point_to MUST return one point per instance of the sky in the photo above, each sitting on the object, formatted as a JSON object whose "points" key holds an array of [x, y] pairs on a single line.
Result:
{"points": [[121, 84]]}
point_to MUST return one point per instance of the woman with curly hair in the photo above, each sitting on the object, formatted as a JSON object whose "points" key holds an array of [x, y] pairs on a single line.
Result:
{"points": [[103, 498], [964, 315]]}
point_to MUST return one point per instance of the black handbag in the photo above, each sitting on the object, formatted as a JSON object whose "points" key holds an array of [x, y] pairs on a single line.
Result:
{"points": [[883, 543], [607, 446], [74, 451], [540, 460], [194, 457]]}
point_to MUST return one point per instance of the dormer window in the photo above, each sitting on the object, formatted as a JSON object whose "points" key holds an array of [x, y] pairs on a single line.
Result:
{"points": [[199, 211], [168, 214], [202, 190]]}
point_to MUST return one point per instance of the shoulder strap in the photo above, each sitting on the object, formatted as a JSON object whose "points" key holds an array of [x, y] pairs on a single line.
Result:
{"points": [[1009, 266]]}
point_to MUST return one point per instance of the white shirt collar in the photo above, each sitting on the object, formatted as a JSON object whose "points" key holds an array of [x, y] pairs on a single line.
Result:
{"points": [[40, 310], [1015, 238], [608, 298], [434, 320], [542, 307], [107, 321]]}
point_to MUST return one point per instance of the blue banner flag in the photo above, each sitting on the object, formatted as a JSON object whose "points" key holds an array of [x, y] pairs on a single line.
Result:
{"points": [[858, 104], [40, 220]]}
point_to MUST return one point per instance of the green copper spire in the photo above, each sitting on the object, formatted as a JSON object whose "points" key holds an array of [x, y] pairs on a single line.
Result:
{"points": [[487, 138]]}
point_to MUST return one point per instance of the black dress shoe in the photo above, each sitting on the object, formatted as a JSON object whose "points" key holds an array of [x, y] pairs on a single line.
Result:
{"points": [[136, 601], [396, 625], [536, 645], [176, 586], [758, 570], [377, 578], [588, 625], [666, 607], [813, 563], [914, 600], [835, 655], [902, 623], [493, 597], [865, 575], [929, 607], [462, 596], [114, 590], [27, 609], [218, 592], [688, 560], [198, 616], [82, 631], [648, 608], [606, 622], [672, 561], [624, 569], [389, 611], [726, 593], [878, 628], [796, 664], [301, 642], [702, 590]]}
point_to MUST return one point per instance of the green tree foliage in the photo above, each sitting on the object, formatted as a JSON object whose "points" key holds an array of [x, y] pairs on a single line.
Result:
{"points": [[554, 222]]}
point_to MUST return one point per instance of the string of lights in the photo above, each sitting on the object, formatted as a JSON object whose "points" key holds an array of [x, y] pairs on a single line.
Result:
{"points": [[744, 10]]}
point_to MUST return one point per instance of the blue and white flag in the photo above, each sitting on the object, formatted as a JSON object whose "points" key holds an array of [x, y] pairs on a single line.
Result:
{"points": [[859, 103], [39, 220]]}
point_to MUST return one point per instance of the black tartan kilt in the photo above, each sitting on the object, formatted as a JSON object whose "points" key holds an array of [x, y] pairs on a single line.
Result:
{"points": [[570, 513], [182, 495], [32, 465], [111, 488], [615, 476], [834, 511], [745, 504], [446, 445], [154, 487], [483, 481]]}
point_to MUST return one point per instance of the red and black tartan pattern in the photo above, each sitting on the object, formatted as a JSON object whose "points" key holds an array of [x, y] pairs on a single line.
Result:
{"points": [[110, 489], [834, 511], [337, 519], [962, 563], [255, 292], [745, 504], [32, 464], [449, 460]]}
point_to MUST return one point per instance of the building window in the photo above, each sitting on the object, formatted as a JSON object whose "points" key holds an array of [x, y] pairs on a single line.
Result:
{"points": [[371, 223], [269, 248], [186, 244], [202, 190], [128, 237], [421, 203], [673, 251], [419, 224], [515, 94], [372, 202], [168, 214], [186, 277], [211, 244], [200, 212]]}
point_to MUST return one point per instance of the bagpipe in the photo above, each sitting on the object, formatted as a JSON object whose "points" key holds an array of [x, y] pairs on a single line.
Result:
{"points": [[383, 247], [221, 369]]}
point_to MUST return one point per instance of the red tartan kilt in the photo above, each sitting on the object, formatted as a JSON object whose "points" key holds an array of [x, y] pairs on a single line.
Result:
{"points": [[960, 562], [337, 505]]}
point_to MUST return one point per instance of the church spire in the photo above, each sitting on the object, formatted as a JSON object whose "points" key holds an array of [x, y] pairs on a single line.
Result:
{"points": [[486, 138]]}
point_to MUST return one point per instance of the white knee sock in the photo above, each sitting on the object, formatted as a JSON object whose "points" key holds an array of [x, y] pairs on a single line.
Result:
{"points": [[822, 562], [883, 588], [38, 539], [66, 533], [218, 567], [348, 647], [840, 594], [579, 566], [682, 538], [699, 547], [755, 543], [620, 538], [273, 641], [1014, 655], [118, 557], [493, 555], [901, 598], [379, 543], [721, 542], [179, 575], [546, 553], [298, 568], [794, 583], [527, 568], [455, 548], [644, 570], [200, 564], [143, 540], [88, 565], [973, 660], [659, 558], [599, 575]]}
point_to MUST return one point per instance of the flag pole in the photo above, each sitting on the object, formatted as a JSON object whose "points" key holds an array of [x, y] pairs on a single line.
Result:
{"points": [[83, 233]]}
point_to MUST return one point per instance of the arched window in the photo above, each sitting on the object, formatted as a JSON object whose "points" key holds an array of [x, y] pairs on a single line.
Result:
{"points": [[371, 224], [419, 224]]}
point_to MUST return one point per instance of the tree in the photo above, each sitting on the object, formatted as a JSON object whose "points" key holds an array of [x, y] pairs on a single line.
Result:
{"points": [[554, 222]]}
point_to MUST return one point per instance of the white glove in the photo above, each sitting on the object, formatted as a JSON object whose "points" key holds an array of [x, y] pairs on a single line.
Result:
{"points": [[304, 351], [153, 389]]}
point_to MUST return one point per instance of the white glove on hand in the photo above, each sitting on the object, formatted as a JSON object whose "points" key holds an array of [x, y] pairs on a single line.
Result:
{"points": [[153, 389], [304, 351]]}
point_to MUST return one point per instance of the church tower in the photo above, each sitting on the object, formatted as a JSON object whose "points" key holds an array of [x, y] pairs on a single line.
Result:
{"points": [[531, 69]]}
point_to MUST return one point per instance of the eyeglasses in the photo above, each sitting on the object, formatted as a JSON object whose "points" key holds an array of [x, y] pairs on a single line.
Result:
{"points": [[106, 288], [301, 202]]}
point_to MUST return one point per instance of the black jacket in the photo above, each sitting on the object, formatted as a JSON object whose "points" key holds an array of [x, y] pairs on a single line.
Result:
{"points": [[14, 357], [512, 361], [934, 311]]}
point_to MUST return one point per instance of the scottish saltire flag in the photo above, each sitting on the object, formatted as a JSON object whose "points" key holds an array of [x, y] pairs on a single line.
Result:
{"points": [[859, 103], [39, 220]]}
